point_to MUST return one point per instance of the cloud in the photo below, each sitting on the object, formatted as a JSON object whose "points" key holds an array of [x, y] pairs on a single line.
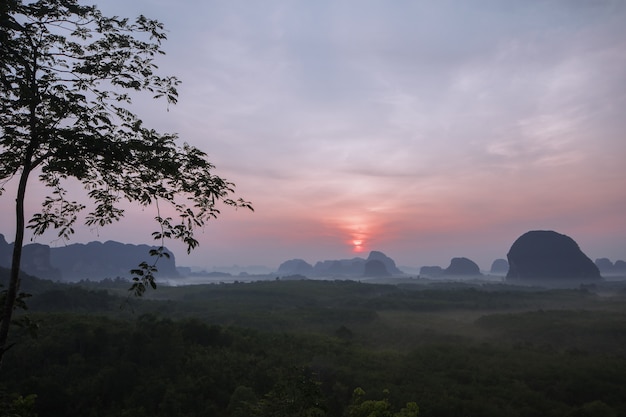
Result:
{"points": [[424, 124]]}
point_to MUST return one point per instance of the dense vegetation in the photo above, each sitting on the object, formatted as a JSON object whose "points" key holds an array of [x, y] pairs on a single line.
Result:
{"points": [[296, 348]]}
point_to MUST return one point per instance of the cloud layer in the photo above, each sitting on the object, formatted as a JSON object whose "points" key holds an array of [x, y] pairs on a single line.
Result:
{"points": [[426, 130]]}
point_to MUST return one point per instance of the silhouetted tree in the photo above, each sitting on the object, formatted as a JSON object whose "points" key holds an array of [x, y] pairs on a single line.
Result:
{"points": [[68, 75], [377, 408]]}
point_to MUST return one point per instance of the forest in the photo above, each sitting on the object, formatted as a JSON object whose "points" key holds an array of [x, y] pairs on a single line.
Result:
{"points": [[317, 348]]}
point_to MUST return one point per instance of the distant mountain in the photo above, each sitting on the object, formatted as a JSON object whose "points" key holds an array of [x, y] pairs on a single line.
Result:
{"points": [[604, 265], [390, 264], [355, 267], [431, 271], [462, 266], [94, 261], [97, 260], [375, 268], [545, 255], [35, 259], [340, 267], [607, 267], [295, 266], [499, 266]]}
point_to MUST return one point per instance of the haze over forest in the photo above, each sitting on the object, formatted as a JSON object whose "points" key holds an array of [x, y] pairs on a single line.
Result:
{"points": [[425, 130]]}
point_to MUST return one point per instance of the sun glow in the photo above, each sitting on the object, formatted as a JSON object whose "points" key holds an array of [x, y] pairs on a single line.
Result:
{"points": [[358, 238], [356, 231], [358, 245]]}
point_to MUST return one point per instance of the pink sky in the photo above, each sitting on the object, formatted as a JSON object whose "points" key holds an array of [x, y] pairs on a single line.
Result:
{"points": [[426, 130]]}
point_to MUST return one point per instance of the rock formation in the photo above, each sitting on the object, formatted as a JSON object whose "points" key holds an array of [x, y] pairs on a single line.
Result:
{"points": [[354, 267], [295, 266], [36, 259], [462, 266], [607, 267], [97, 260], [431, 271], [376, 268], [340, 267], [5, 251], [390, 264], [94, 260], [544, 255], [604, 265], [499, 266]]}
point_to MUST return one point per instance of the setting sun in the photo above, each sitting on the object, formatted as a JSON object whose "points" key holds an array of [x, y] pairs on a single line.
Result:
{"points": [[357, 231], [358, 245]]}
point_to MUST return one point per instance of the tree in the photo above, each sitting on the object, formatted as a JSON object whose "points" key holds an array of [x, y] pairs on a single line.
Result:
{"points": [[68, 75], [377, 408], [295, 394]]}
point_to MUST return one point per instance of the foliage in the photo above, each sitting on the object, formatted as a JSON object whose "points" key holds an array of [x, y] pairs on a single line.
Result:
{"points": [[22, 321], [68, 78], [296, 394], [378, 408], [65, 99], [15, 405], [177, 360]]}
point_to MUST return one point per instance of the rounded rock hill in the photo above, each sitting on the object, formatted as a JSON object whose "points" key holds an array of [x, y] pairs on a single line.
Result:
{"points": [[545, 255], [462, 266]]}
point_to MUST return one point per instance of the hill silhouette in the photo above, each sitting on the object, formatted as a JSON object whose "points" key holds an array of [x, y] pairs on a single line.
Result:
{"points": [[547, 255], [91, 261]]}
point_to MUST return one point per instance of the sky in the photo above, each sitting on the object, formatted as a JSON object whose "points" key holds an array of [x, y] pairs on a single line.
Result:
{"points": [[425, 130]]}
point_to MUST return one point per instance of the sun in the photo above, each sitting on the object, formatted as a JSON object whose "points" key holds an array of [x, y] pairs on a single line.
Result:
{"points": [[357, 245], [356, 231]]}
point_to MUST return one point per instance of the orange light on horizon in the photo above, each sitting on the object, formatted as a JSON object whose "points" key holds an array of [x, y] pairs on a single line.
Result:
{"points": [[358, 236], [357, 245], [357, 232]]}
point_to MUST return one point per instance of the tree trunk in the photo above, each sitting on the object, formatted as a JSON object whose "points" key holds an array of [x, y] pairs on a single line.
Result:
{"points": [[14, 280], [27, 167]]}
